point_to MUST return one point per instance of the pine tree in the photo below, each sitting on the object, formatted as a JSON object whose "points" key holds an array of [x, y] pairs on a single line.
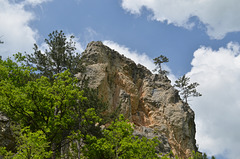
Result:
{"points": [[158, 61], [60, 56], [187, 89]]}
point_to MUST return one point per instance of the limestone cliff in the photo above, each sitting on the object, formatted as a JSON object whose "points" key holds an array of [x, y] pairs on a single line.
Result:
{"points": [[148, 100]]}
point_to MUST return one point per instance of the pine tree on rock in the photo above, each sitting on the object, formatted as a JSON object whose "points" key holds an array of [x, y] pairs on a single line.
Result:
{"points": [[158, 61], [187, 89]]}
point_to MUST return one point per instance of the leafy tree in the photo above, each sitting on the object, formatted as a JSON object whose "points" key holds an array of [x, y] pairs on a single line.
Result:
{"points": [[32, 145], [187, 89], [60, 56], [89, 122], [55, 108], [158, 61], [118, 142], [18, 75]]}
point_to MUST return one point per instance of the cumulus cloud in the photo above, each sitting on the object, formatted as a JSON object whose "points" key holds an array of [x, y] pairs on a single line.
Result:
{"points": [[34, 2], [138, 58], [217, 111], [14, 28], [219, 16], [15, 31]]}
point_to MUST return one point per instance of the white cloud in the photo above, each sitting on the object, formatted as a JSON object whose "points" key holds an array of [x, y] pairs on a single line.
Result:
{"points": [[34, 2], [138, 58], [16, 33], [78, 45], [219, 16], [217, 111]]}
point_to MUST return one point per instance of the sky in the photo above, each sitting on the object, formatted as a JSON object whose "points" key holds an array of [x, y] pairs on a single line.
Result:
{"points": [[201, 38]]}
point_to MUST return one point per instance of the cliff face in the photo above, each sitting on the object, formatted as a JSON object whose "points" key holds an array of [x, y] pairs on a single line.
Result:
{"points": [[148, 100]]}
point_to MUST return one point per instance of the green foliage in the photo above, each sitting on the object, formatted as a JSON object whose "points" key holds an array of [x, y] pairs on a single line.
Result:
{"points": [[56, 108], [158, 61], [93, 101], [187, 89], [18, 75], [118, 142], [32, 145], [169, 156], [59, 56], [39, 103], [197, 155]]}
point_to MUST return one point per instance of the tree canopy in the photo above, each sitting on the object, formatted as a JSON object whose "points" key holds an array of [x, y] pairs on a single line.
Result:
{"points": [[55, 108], [59, 56], [32, 145], [118, 141]]}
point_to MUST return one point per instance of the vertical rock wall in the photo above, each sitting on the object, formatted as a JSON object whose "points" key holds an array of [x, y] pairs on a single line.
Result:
{"points": [[148, 100]]}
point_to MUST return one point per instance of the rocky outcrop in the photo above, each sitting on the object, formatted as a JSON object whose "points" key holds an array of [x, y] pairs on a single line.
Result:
{"points": [[162, 148], [6, 135], [148, 100]]}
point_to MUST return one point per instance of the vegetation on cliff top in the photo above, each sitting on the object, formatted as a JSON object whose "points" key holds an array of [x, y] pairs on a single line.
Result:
{"points": [[186, 89]]}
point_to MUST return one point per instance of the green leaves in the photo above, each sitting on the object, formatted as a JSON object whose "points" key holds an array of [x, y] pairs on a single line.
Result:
{"points": [[52, 107], [17, 75], [118, 142], [40, 103], [32, 145]]}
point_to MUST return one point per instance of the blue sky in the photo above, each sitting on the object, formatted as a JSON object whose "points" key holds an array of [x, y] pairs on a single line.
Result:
{"points": [[201, 39]]}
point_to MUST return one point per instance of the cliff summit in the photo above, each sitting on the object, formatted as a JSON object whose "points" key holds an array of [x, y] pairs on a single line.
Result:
{"points": [[147, 100]]}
